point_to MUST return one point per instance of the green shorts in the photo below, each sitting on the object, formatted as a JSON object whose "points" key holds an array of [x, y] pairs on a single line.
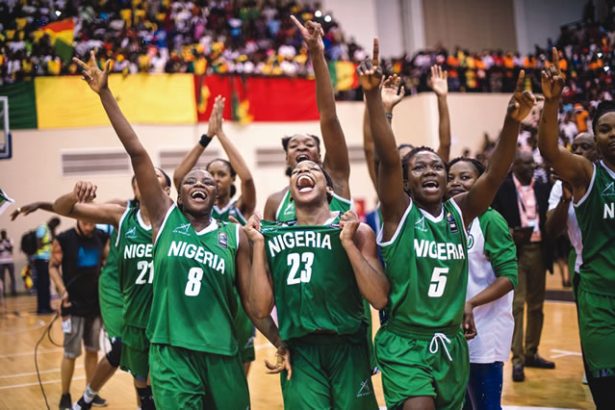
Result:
{"points": [[187, 379], [329, 372], [135, 352], [597, 330], [111, 313], [245, 336], [367, 310], [409, 369]]}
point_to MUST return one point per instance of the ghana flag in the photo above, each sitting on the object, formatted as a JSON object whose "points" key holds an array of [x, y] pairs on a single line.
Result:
{"points": [[62, 34]]}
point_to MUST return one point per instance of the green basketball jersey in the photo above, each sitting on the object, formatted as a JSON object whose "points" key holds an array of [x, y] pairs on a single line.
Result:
{"points": [[225, 213], [286, 209], [134, 245], [596, 215], [315, 287], [426, 263], [194, 285], [109, 292]]}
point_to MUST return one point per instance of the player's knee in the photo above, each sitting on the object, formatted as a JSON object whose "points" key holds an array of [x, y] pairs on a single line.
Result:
{"points": [[115, 353]]}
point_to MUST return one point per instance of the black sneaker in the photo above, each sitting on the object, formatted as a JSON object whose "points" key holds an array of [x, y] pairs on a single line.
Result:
{"points": [[65, 402], [82, 405], [99, 402], [518, 374], [538, 362]]}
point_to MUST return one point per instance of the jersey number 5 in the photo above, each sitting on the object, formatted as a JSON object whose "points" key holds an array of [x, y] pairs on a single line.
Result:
{"points": [[294, 261], [438, 282]]}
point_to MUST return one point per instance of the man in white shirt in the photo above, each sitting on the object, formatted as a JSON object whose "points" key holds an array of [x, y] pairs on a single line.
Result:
{"points": [[6, 262]]}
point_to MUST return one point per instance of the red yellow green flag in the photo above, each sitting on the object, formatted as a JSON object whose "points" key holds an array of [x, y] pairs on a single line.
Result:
{"points": [[62, 34]]}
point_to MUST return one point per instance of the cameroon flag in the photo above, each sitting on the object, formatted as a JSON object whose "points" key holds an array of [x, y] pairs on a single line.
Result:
{"points": [[62, 34]]}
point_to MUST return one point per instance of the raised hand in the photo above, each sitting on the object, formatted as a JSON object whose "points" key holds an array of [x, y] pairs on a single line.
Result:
{"points": [[312, 33], [25, 210], [349, 224], [370, 72], [438, 81], [214, 125], [552, 79], [522, 101], [85, 191], [94, 76], [282, 356], [392, 92], [252, 228]]}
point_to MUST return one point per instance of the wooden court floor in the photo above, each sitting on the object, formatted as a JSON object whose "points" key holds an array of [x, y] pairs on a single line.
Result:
{"points": [[19, 389]]}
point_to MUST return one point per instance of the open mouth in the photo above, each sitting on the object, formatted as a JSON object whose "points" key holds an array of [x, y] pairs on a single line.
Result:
{"points": [[305, 183], [302, 157], [430, 185], [198, 195]]}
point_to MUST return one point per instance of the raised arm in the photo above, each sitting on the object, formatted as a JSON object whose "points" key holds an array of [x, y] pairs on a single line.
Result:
{"points": [[190, 160], [247, 200], [393, 198], [573, 168], [31, 207], [439, 84], [480, 196], [154, 198], [77, 204], [392, 92], [336, 158], [359, 242]]}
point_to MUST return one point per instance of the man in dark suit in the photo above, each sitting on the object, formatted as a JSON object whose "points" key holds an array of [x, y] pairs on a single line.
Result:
{"points": [[524, 201]]}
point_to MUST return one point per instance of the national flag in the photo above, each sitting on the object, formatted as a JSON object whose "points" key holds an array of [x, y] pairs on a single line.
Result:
{"points": [[240, 103], [203, 94], [62, 34], [343, 75], [5, 201]]}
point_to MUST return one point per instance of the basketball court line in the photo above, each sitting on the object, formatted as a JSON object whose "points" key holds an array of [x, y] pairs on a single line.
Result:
{"points": [[31, 353], [16, 386], [8, 376]]}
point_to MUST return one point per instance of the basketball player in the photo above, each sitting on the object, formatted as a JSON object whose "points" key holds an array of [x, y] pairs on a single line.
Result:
{"points": [[593, 193], [428, 285], [317, 270], [198, 263], [226, 209]]}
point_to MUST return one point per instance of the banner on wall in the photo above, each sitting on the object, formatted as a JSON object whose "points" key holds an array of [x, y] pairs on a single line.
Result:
{"points": [[67, 101], [257, 98], [22, 104]]}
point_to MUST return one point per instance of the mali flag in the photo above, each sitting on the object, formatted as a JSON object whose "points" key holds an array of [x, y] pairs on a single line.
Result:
{"points": [[343, 75], [62, 34]]}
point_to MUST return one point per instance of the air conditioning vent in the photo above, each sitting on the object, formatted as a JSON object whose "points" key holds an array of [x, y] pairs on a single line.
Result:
{"points": [[95, 162]]}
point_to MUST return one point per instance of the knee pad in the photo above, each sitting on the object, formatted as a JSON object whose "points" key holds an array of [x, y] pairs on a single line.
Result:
{"points": [[113, 356]]}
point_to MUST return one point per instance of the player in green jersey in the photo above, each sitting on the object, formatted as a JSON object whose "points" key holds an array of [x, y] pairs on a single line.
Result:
{"points": [[299, 147], [77, 204], [317, 270], [593, 193], [226, 209], [134, 273], [198, 264], [421, 350]]}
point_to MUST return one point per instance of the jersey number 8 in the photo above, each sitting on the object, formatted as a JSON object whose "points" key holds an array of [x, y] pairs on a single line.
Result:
{"points": [[294, 261], [195, 276]]}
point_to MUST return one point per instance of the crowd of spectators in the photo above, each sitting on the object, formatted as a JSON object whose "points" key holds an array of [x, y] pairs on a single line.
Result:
{"points": [[257, 38]]}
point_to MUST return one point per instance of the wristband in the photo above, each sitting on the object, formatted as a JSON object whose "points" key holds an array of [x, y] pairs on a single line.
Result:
{"points": [[205, 140]]}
